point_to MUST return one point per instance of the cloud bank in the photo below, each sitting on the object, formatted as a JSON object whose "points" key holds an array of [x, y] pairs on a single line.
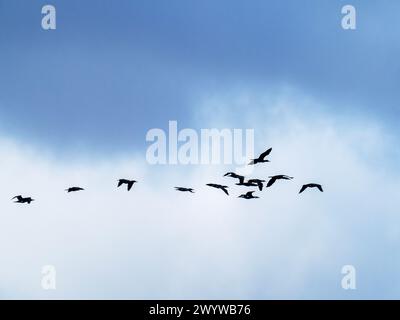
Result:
{"points": [[155, 243]]}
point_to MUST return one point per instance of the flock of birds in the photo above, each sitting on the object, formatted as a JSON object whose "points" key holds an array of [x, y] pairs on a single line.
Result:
{"points": [[255, 182], [242, 182]]}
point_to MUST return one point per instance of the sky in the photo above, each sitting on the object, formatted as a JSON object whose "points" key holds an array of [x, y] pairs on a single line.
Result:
{"points": [[76, 104]]}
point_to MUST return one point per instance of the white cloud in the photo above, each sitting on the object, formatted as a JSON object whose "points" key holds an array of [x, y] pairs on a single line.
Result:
{"points": [[153, 242]]}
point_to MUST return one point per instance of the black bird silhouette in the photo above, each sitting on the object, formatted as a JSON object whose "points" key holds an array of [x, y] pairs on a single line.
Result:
{"points": [[21, 199], [246, 184], [233, 175], [74, 189], [311, 185], [277, 177], [261, 157], [184, 189], [218, 186], [248, 195], [127, 182], [258, 182]]}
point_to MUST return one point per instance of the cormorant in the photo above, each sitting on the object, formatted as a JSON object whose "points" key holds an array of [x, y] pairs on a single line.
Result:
{"points": [[311, 185], [258, 182], [277, 177], [21, 199], [248, 195], [218, 186], [261, 157], [184, 189], [129, 183], [74, 189]]}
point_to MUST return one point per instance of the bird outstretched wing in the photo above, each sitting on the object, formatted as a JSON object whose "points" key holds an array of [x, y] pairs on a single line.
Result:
{"points": [[258, 182], [241, 179], [271, 181], [264, 154], [303, 188], [130, 184]]}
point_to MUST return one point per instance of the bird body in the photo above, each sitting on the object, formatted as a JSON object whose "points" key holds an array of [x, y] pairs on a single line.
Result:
{"points": [[218, 186], [277, 177], [248, 195], [74, 189], [21, 199], [129, 183], [261, 157], [258, 182], [311, 185], [182, 189], [233, 175], [248, 183]]}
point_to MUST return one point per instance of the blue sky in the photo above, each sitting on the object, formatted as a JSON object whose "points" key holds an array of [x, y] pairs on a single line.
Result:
{"points": [[325, 99], [112, 71]]}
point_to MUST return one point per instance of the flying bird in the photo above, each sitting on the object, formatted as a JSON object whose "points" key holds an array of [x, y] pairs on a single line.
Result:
{"points": [[248, 195], [74, 189], [261, 157], [129, 183], [258, 182], [277, 177], [21, 199], [233, 175], [218, 186], [311, 185], [184, 189], [246, 184]]}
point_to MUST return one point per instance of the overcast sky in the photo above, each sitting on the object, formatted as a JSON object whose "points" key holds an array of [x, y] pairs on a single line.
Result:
{"points": [[76, 104]]}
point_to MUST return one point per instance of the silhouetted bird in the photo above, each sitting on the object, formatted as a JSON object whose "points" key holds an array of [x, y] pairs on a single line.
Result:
{"points": [[184, 189], [127, 182], [311, 185], [277, 177], [248, 195], [218, 186], [246, 184], [74, 189], [258, 182], [21, 199], [233, 175], [261, 157]]}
